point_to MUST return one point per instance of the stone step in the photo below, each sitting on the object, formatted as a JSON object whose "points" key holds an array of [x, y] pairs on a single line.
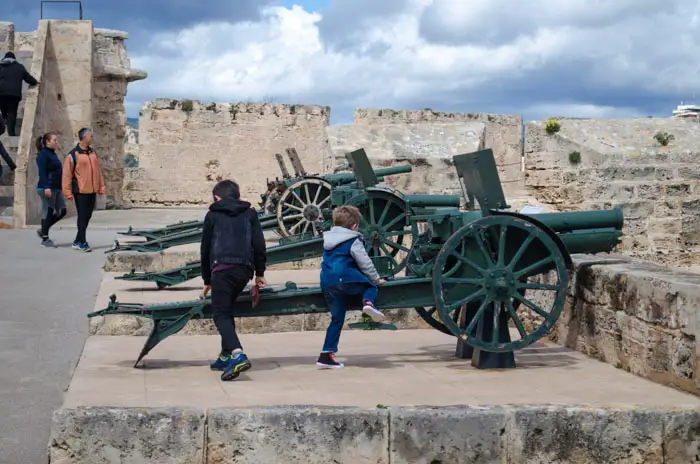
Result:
{"points": [[11, 144], [8, 176], [6, 215]]}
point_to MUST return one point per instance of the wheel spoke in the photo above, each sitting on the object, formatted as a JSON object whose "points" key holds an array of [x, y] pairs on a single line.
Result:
{"points": [[306, 226], [289, 205], [385, 211], [536, 286], [308, 194], [479, 314], [468, 299], [371, 212], [297, 225], [318, 192], [324, 201], [519, 253], [468, 262], [496, 314], [298, 198], [396, 245], [534, 307], [502, 245], [533, 267], [395, 221], [385, 249], [294, 216], [516, 320], [482, 248]]}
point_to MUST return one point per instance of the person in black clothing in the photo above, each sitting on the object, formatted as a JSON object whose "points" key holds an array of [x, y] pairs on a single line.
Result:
{"points": [[3, 152], [232, 250], [12, 73], [49, 185]]}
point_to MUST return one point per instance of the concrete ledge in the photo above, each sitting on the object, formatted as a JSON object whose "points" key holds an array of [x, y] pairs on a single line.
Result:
{"points": [[316, 434], [104, 434]]}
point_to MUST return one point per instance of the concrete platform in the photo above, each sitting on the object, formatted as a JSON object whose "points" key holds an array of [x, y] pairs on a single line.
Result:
{"points": [[557, 407]]}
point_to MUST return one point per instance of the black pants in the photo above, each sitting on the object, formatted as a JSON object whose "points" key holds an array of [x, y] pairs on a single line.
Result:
{"points": [[85, 204], [226, 286], [8, 108]]}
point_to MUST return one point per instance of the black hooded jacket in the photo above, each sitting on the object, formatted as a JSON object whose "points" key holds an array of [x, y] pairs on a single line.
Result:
{"points": [[232, 234], [12, 73]]}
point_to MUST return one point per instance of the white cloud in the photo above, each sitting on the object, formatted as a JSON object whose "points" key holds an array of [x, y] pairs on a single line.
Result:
{"points": [[581, 58]]}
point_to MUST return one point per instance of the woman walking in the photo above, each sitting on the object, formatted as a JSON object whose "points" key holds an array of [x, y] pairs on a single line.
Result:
{"points": [[82, 181], [49, 185]]}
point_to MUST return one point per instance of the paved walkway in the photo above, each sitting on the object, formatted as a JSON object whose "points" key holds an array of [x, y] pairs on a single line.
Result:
{"points": [[42, 332]]}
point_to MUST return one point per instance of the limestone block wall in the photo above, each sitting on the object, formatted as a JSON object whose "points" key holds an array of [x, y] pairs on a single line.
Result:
{"points": [[442, 133], [657, 187], [186, 147]]}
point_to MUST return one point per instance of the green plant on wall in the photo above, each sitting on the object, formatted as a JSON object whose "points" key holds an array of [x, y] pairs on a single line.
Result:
{"points": [[130, 161], [552, 126], [663, 138], [575, 157], [187, 105]]}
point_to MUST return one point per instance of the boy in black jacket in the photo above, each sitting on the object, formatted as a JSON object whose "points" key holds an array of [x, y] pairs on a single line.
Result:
{"points": [[232, 249]]}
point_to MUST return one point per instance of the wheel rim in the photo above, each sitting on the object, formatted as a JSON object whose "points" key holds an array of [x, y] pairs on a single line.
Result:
{"points": [[299, 210], [432, 318], [497, 257], [385, 227]]}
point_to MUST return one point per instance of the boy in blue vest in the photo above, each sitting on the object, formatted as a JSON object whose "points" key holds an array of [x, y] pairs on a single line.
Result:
{"points": [[346, 271]]}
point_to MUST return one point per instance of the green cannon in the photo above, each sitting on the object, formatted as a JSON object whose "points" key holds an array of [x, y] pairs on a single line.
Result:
{"points": [[299, 211], [496, 280]]}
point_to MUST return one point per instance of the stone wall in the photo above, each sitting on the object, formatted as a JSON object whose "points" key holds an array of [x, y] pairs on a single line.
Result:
{"points": [[637, 316], [657, 187], [186, 147]]}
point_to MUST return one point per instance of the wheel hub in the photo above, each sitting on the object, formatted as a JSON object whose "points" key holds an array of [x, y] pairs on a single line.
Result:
{"points": [[500, 284], [311, 212]]}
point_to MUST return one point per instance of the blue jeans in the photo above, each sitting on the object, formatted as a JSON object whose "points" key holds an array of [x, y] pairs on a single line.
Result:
{"points": [[337, 301]]}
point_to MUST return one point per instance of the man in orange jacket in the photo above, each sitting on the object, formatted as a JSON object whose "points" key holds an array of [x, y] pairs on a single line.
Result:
{"points": [[82, 182]]}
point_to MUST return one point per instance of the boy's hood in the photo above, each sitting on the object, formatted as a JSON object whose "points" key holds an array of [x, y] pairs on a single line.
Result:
{"points": [[338, 235], [7, 60], [230, 206]]}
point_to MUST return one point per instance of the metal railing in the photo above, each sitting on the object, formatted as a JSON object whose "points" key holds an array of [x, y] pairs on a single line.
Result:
{"points": [[79, 2]]}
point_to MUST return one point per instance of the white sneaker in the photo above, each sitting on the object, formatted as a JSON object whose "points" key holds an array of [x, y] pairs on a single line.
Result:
{"points": [[374, 313]]}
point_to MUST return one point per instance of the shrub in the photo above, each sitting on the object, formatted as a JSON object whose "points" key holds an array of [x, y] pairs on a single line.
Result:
{"points": [[575, 157], [552, 126], [187, 105], [663, 138]]}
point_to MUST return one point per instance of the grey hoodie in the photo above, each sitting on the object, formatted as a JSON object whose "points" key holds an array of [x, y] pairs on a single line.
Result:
{"points": [[338, 235]]}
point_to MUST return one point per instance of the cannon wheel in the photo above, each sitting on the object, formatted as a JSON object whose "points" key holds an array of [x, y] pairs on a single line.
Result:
{"points": [[269, 206], [385, 226], [496, 256], [299, 209]]}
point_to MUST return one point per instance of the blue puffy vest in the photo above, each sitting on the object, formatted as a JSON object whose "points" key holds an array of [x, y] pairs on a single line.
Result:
{"points": [[339, 267]]}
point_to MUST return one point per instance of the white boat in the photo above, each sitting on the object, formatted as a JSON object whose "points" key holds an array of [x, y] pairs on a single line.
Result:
{"points": [[686, 111]]}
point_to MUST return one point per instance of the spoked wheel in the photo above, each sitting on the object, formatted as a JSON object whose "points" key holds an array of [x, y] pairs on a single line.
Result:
{"points": [[300, 207], [386, 229], [499, 259], [271, 200]]}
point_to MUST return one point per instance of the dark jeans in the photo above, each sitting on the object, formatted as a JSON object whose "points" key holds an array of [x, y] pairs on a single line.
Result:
{"points": [[337, 301], [54, 210], [8, 109], [6, 156], [85, 204], [226, 286]]}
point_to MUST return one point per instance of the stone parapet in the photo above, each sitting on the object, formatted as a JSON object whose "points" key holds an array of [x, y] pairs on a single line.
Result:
{"points": [[322, 434]]}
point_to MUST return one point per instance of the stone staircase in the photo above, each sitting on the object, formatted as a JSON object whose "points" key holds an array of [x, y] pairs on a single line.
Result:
{"points": [[7, 181]]}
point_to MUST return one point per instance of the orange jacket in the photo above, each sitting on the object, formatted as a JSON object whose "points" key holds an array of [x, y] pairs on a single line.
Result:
{"points": [[87, 172]]}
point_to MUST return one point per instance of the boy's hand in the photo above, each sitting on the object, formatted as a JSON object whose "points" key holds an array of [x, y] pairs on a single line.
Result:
{"points": [[381, 282], [260, 282], [205, 291]]}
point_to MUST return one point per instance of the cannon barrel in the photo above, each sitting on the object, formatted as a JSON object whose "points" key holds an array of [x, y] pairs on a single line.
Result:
{"points": [[432, 201], [343, 178], [591, 241], [580, 220]]}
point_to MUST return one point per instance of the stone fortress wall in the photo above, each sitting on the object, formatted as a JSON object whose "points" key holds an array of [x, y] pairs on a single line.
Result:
{"points": [[621, 164]]}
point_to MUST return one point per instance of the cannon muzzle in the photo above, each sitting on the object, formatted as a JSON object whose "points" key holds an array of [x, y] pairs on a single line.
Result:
{"points": [[432, 201], [580, 220], [344, 178]]}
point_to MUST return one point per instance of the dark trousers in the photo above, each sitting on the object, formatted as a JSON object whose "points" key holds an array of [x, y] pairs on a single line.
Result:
{"points": [[226, 286], [85, 204], [337, 300], [54, 209], [8, 108]]}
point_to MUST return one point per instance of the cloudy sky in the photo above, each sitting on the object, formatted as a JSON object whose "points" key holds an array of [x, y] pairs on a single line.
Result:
{"points": [[579, 58]]}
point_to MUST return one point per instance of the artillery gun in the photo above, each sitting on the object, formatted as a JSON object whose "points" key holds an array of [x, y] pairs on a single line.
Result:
{"points": [[298, 214], [478, 275]]}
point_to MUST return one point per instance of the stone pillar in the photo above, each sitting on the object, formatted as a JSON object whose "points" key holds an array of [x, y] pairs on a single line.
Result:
{"points": [[7, 37]]}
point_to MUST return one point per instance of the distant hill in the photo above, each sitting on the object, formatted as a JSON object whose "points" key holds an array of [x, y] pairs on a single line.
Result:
{"points": [[132, 122]]}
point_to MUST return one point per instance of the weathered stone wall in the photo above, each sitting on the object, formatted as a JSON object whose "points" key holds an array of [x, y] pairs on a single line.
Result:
{"points": [[426, 134], [657, 187], [113, 73], [637, 316], [516, 434], [186, 147]]}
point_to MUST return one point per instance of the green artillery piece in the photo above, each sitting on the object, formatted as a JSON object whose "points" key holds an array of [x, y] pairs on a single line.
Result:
{"points": [[494, 279], [298, 215]]}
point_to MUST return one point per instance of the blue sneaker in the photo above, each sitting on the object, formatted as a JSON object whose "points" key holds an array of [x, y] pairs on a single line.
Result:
{"points": [[85, 247], [220, 363], [237, 364], [75, 245]]}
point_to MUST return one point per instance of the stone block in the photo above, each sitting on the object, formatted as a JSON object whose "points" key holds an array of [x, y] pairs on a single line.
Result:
{"points": [[297, 434], [456, 434], [585, 435], [106, 435], [681, 442]]}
